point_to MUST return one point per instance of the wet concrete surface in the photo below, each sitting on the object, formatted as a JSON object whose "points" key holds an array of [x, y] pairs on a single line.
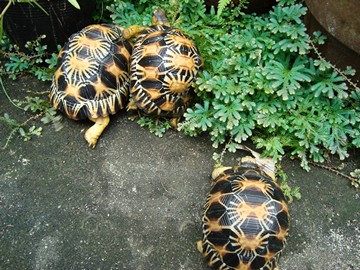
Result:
{"points": [[135, 201]]}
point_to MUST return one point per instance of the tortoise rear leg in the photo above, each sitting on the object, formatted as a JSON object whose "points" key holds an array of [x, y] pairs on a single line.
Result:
{"points": [[174, 122], [199, 246], [94, 132]]}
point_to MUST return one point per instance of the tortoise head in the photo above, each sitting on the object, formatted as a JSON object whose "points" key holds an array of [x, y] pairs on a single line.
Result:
{"points": [[266, 164], [159, 17]]}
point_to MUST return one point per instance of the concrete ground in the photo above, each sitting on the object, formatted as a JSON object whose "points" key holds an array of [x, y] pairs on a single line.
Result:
{"points": [[135, 202]]}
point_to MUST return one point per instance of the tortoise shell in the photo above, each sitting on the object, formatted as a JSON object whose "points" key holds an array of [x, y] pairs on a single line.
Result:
{"points": [[245, 221], [163, 65], [92, 75]]}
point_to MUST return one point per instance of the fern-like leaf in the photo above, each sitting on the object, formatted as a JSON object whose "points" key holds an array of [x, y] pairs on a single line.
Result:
{"points": [[221, 6]]}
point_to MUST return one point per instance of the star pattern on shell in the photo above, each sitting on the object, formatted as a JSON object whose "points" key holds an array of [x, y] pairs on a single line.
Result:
{"points": [[92, 76], [246, 220], [164, 64]]}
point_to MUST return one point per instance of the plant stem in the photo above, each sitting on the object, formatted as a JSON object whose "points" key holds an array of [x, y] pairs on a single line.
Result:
{"points": [[8, 97], [5, 8], [12, 133], [352, 179], [334, 67]]}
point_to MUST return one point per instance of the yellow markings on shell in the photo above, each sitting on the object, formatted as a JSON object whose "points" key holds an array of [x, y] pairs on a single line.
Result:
{"points": [[84, 41], [117, 72], [79, 64], [168, 105], [270, 256], [215, 197], [214, 226], [96, 48], [261, 186], [72, 90], [176, 39], [150, 49], [149, 73], [176, 86], [56, 77], [247, 210], [282, 234], [93, 108], [151, 34], [249, 243], [54, 95], [105, 32], [123, 51], [222, 250], [182, 61], [101, 89], [244, 266], [153, 93], [80, 68]]}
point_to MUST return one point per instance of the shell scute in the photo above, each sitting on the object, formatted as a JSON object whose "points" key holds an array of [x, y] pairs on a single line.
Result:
{"points": [[224, 186], [154, 37], [215, 211], [151, 61], [231, 259]]}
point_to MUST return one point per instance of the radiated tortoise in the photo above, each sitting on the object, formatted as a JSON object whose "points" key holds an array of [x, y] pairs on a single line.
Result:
{"points": [[246, 218], [92, 77], [164, 64]]}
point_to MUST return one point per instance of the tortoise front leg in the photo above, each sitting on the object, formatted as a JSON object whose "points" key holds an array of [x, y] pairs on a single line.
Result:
{"points": [[94, 132]]}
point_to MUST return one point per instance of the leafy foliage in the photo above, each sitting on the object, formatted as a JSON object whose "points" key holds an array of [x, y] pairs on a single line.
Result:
{"points": [[156, 126], [259, 81], [290, 193], [39, 109], [37, 61], [355, 178], [222, 4]]}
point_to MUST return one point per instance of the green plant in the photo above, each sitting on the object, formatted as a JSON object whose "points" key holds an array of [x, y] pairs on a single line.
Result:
{"points": [[39, 108], [355, 178], [155, 125], [102, 14], [225, 3], [260, 82], [289, 192], [37, 61]]}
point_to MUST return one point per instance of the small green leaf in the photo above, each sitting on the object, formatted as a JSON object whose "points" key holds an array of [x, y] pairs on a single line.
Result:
{"points": [[74, 3]]}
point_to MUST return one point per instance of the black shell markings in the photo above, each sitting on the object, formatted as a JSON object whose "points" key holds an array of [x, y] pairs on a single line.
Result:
{"points": [[245, 221], [92, 76], [163, 66]]}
